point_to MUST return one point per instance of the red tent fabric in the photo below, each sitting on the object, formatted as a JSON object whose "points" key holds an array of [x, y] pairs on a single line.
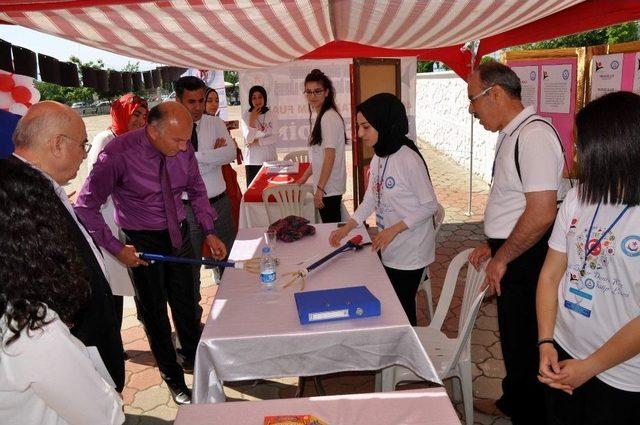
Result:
{"points": [[228, 34]]}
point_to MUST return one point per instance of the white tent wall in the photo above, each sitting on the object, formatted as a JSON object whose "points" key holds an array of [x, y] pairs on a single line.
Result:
{"points": [[443, 121]]}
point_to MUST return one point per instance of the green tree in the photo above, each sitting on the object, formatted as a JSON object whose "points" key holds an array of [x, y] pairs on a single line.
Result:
{"points": [[621, 33], [231, 76], [131, 67], [425, 66], [49, 91]]}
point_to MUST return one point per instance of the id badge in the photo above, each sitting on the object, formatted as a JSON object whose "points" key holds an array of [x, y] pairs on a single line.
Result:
{"points": [[578, 295], [379, 220]]}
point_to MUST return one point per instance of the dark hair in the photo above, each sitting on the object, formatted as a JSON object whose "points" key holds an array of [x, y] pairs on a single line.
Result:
{"points": [[189, 83], [317, 76], [40, 266], [493, 73], [155, 114], [263, 92], [608, 147]]}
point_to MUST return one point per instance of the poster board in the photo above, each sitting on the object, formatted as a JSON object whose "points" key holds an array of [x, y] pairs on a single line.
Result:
{"points": [[617, 69], [550, 85], [554, 82]]}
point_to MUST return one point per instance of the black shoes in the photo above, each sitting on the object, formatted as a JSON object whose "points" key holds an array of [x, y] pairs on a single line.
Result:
{"points": [[180, 394]]}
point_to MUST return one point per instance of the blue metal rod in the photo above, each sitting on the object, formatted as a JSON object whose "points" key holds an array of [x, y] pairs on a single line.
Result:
{"points": [[169, 259]]}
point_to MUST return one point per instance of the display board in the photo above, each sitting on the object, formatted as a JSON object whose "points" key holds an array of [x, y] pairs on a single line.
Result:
{"points": [[614, 72], [550, 85]]}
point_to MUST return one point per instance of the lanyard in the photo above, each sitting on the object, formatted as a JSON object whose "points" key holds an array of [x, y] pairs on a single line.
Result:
{"points": [[588, 250], [381, 179]]}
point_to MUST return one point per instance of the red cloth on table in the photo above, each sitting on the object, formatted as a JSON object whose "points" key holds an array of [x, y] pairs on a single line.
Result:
{"points": [[261, 182]]}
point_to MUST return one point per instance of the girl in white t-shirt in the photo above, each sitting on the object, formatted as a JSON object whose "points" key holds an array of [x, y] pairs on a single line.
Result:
{"points": [[327, 142], [259, 129], [400, 193], [588, 298]]}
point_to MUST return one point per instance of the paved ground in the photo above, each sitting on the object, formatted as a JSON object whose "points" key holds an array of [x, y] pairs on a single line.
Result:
{"points": [[147, 400]]}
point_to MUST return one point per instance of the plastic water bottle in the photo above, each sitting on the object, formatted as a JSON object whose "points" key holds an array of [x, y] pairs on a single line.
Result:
{"points": [[267, 269]]}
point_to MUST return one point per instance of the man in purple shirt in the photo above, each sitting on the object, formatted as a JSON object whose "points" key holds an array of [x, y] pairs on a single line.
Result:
{"points": [[145, 172]]}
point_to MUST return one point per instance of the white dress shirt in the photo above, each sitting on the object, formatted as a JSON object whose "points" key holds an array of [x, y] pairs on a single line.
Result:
{"points": [[210, 160], [48, 378]]}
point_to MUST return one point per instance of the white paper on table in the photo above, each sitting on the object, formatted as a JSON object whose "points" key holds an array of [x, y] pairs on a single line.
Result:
{"points": [[555, 93], [94, 355], [529, 82], [282, 167], [636, 74], [606, 74]]}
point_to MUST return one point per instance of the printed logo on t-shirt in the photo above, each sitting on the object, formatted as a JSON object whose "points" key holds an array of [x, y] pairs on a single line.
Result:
{"points": [[389, 182], [602, 251], [631, 246]]}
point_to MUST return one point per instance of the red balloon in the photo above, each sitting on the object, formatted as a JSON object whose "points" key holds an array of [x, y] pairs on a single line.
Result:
{"points": [[6, 82], [21, 94]]}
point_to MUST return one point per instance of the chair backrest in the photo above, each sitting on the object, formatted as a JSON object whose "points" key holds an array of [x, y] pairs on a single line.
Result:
{"points": [[289, 198], [471, 300], [297, 156]]}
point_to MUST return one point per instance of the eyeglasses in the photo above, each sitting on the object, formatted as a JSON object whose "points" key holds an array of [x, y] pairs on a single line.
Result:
{"points": [[479, 95], [85, 145], [315, 92]]}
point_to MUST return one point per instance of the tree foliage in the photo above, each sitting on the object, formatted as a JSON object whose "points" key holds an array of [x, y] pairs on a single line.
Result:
{"points": [[621, 33], [49, 91]]}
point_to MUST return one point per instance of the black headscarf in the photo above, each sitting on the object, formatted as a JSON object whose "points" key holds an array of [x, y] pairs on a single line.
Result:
{"points": [[262, 91], [386, 113]]}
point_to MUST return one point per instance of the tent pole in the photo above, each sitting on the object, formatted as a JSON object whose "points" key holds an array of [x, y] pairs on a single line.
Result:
{"points": [[469, 212]]}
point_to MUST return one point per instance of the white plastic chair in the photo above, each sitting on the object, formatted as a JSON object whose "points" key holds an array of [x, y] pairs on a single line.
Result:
{"points": [[289, 199], [425, 280], [297, 156], [451, 357]]}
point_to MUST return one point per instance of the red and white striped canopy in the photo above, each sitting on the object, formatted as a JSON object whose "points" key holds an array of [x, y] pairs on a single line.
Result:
{"points": [[245, 34]]}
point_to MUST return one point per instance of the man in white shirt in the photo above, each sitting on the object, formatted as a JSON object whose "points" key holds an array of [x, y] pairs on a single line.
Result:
{"points": [[52, 138], [213, 148], [520, 211]]}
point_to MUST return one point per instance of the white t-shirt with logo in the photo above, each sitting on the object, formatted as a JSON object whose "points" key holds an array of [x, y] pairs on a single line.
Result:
{"points": [[405, 193], [333, 136], [593, 307], [266, 131], [541, 164]]}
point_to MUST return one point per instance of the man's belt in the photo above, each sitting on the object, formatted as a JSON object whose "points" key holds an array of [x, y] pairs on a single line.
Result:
{"points": [[211, 200]]}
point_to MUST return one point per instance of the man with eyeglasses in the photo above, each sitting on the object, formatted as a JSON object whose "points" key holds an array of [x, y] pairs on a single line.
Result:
{"points": [[52, 138], [526, 175]]}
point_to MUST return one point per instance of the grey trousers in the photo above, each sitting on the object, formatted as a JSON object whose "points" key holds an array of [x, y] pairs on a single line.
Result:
{"points": [[224, 229]]}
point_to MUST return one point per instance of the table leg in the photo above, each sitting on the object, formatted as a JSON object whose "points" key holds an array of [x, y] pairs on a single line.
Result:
{"points": [[384, 380]]}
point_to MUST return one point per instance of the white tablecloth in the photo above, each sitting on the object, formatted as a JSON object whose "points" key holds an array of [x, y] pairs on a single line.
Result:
{"points": [[424, 407], [252, 333]]}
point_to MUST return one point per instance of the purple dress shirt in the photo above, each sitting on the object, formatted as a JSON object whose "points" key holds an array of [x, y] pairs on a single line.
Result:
{"points": [[127, 169]]}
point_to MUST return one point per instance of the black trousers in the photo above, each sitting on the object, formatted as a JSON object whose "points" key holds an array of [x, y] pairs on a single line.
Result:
{"points": [[330, 213], [405, 283], [592, 403], [522, 394], [159, 283], [251, 172]]}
